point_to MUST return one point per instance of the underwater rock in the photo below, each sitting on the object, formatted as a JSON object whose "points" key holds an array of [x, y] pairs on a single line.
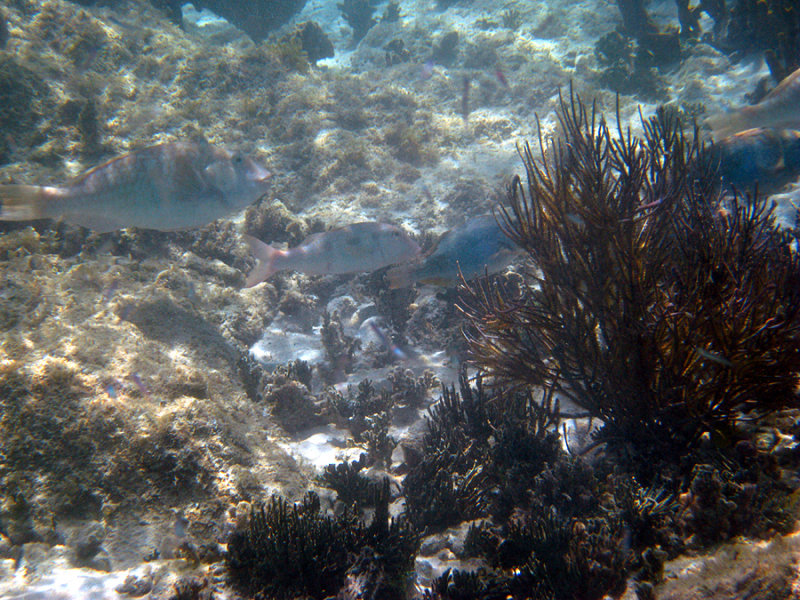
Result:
{"points": [[314, 41], [740, 569], [87, 541], [358, 15], [768, 26], [24, 100], [3, 30], [290, 401], [256, 17], [446, 48]]}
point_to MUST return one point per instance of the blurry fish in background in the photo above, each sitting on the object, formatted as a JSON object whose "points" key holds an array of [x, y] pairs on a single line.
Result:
{"points": [[109, 292], [171, 186], [780, 109], [393, 348], [140, 385], [427, 69], [765, 157], [476, 247], [355, 248], [501, 77]]}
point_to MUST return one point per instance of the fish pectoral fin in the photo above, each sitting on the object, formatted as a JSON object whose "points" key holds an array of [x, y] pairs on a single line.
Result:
{"points": [[190, 183]]}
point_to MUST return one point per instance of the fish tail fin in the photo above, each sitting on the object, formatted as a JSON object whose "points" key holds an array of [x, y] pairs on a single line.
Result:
{"points": [[25, 202], [265, 261], [398, 277]]}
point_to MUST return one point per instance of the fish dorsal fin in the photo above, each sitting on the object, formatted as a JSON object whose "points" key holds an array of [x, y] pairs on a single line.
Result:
{"points": [[83, 177]]}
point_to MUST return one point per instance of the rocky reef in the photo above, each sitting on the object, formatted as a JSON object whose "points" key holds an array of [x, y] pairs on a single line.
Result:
{"points": [[165, 432]]}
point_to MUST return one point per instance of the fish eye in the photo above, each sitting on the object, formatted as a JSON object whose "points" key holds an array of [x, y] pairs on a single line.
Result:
{"points": [[237, 159]]}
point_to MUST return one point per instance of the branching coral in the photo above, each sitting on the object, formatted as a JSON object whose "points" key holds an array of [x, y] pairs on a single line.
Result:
{"points": [[478, 455], [656, 307], [294, 551]]}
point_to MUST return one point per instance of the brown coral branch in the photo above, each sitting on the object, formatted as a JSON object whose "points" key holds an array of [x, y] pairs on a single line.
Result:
{"points": [[654, 305]]}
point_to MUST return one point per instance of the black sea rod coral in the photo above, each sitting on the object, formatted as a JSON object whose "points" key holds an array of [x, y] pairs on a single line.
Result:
{"points": [[656, 304]]}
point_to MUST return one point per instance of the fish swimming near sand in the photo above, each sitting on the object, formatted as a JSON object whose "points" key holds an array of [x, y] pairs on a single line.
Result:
{"points": [[780, 109], [474, 248], [355, 248], [172, 186]]}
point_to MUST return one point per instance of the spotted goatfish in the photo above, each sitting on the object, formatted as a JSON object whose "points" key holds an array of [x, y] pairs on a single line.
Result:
{"points": [[780, 109], [355, 248], [171, 186]]}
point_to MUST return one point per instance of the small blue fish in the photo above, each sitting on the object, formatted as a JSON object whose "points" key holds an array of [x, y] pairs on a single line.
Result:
{"points": [[475, 247], [393, 348]]}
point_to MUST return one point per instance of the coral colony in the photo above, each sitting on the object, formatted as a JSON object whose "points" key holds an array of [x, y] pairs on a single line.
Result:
{"points": [[440, 380]]}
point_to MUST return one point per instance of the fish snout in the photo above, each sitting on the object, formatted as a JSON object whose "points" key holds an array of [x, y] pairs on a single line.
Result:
{"points": [[256, 173]]}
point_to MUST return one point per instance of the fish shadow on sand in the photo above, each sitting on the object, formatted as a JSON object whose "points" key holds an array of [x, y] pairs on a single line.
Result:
{"points": [[164, 321]]}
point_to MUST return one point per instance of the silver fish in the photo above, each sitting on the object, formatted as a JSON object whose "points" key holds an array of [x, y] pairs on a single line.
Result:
{"points": [[780, 109], [171, 186], [355, 248]]}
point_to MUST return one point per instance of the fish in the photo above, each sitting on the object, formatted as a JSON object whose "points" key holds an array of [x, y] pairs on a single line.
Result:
{"points": [[780, 109], [713, 356], [501, 77], [167, 187], [393, 348], [427, 69], [355, 248], [478, 246], [764, 156]]}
